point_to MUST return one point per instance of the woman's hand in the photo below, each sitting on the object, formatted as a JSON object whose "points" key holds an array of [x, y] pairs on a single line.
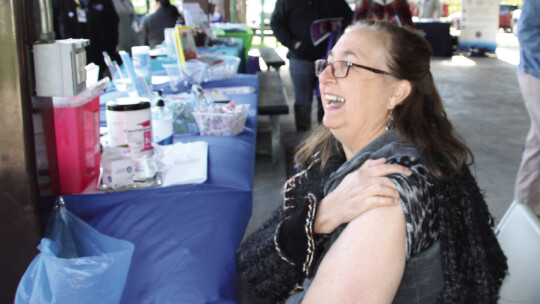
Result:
{"points": [[360, 191]]}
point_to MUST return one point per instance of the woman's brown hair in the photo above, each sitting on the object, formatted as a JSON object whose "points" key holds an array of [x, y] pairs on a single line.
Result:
{"points": [[420, 118]]}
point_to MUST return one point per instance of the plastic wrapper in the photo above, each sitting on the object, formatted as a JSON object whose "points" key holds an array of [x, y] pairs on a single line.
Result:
{"points": [[77, 264], [182, 106]]}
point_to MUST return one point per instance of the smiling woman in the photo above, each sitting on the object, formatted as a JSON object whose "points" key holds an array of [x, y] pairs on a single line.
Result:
{"points": [[367, 95], [385, 208]]}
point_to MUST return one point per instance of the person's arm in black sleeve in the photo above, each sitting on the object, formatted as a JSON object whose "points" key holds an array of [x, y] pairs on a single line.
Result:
{"points": [[297, 239], [275, 259], [262, 268], [279, 24]]}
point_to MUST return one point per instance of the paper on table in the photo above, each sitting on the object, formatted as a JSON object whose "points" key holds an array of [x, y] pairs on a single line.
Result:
{"points": [[158, 79], [186, 163], [232, 90]]}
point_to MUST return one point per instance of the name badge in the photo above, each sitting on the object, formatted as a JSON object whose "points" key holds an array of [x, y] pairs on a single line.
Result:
{"points": [[81, 15], [135, 26]]}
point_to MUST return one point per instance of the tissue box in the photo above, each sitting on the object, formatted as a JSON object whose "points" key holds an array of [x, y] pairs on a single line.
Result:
{"points": [[117, 172], [222, 119]]}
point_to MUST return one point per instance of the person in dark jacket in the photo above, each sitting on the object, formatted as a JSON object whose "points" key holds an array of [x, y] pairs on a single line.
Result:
{"points": [[291, 22], [95, 20], [385, 208], [129, 32], [154, 25]]}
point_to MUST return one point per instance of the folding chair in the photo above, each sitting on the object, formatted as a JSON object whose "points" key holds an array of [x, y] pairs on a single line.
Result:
{"points": [[519, 236]]}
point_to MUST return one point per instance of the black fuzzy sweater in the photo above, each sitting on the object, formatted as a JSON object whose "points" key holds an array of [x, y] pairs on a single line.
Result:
{"points": [[276, 258]]}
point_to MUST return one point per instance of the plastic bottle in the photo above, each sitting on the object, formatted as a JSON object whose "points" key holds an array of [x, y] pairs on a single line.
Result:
{"points": [[162, 124], [141, 63]]}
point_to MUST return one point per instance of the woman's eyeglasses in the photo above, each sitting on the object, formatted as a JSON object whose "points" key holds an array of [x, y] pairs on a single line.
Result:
{"points": [[340, 68]]}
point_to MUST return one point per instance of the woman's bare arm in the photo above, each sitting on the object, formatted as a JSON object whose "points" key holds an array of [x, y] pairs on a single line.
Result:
{"points": [[366, 263]]}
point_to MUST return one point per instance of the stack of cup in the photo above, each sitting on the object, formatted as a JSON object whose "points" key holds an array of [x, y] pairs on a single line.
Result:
{"points": [[141, 63]]}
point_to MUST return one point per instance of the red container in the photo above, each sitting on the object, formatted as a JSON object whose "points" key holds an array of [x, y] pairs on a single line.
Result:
{"points": [[72, 135]]}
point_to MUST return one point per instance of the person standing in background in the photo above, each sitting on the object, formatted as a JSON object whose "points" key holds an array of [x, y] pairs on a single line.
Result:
{"points": [[141, 8], [164, 16], [95, 20], [395, 11], [129, 33], [429, 9], [291, 22], [527, 187]]}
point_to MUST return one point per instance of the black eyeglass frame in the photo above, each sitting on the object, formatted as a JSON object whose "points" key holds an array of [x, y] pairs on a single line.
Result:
{"points": [[349, 65]]}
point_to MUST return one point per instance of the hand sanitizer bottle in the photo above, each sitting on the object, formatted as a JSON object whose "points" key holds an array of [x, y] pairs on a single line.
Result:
{"points": [[162, 124]]}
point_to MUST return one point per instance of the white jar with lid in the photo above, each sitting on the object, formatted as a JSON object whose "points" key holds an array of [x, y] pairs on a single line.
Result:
{"points": [[129, 122]]}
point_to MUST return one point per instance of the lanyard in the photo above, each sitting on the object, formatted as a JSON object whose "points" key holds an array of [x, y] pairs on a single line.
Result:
{"points": [[81, 10]]}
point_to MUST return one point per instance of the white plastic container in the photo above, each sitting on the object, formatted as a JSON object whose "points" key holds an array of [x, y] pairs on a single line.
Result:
{"points": [[129, 124], [141, 63], [168, 33], [162, 124]]}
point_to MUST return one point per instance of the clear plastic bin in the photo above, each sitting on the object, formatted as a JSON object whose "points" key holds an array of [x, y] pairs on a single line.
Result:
{"points": [[196, 72], [220, 66], [222, 120]]}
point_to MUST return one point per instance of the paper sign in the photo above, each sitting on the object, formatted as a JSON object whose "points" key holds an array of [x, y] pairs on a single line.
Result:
{"points": [[479, 24]]}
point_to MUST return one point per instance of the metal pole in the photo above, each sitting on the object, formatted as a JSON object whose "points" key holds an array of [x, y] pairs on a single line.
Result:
{"points": [[46, 31], [20, 226], [232, 8], [261, 24]]}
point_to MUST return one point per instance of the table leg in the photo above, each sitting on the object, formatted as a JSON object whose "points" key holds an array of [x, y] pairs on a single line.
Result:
{"points": [[276, 138]]}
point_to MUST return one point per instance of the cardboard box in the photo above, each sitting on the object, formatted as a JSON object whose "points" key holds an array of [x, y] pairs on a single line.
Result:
{"points": [[117, 172]]}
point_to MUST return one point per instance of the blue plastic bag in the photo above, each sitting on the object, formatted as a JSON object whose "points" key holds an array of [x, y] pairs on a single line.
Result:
{"points": [[77, 264]]}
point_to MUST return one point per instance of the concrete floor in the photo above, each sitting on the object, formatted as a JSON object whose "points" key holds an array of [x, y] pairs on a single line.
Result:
{"points": [[482, 99]]}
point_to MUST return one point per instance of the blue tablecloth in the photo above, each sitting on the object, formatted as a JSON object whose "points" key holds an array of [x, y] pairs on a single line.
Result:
{"points": [[185, 236]]}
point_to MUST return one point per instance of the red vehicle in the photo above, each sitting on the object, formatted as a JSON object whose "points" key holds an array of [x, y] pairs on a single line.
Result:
{"points": [[505, 16]]}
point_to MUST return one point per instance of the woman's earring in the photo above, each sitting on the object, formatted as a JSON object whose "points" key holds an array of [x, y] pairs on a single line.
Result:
{"points": [[390, 123]]}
